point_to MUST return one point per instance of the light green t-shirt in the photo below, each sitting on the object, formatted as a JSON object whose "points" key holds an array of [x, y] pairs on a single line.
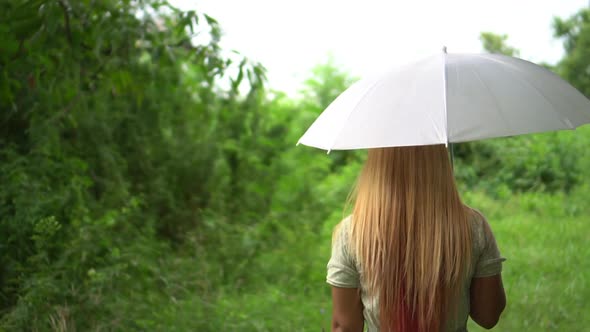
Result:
{"points": [[344, 270]]}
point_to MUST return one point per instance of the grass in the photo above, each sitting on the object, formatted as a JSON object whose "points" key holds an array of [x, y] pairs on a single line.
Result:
{"points": [[547, 273], [546, 276]]}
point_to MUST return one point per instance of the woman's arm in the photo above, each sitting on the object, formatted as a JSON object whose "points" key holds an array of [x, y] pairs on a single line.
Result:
{"points": [[487, 300], [347, 310]]}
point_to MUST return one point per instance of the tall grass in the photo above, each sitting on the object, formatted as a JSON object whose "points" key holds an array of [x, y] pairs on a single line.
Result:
{"points": [[544, 238]]}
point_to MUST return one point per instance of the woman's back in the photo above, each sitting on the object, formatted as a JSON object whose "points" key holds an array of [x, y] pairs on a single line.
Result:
{"points": [[344, 270], [412, 247]]}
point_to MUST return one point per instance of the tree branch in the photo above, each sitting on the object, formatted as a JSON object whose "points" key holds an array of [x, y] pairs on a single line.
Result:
{"points": [[21, 48], [64, 7]]}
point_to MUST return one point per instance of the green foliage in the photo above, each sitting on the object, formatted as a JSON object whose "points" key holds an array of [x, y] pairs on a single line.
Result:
{"points": [[575, 32], [107, 153], [548, 162], [326, 83], [543, 238], [494, 43], [145, 188]]}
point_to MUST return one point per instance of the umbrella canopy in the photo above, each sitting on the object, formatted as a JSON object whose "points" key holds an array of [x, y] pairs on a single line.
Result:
{"points": [[449, 98]]}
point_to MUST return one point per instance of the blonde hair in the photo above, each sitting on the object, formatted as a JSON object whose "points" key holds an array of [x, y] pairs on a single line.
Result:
{"points": [[411, 235]]}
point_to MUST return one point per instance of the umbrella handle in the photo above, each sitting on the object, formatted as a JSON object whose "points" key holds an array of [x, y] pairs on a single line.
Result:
{"points": [[452, 153]]}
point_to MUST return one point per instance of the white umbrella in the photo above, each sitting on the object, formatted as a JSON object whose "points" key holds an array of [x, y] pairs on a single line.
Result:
{"points": [[449, 98]]}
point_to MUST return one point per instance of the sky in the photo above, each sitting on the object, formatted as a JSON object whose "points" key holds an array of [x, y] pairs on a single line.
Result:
{"points": [[364, 37]]}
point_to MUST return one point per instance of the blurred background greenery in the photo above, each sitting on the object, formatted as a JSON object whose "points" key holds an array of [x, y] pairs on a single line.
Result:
{"points": [[151, 183]]}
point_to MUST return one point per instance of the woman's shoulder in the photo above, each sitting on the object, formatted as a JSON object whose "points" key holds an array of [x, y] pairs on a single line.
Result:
{"points": [[476, 217], [346, 222], [479, 227], [483, 239], [342, 229]]}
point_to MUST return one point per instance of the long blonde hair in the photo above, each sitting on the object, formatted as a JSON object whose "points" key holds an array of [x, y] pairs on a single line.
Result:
{"points": [[412, 237]]}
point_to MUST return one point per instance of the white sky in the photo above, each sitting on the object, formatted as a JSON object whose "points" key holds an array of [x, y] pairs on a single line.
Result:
{"points": [[291, 37]]}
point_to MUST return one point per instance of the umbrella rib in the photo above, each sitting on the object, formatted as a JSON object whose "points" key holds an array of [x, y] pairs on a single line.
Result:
{"points": [[506, 122], [368, 89], [563, 119], [436, 127]]}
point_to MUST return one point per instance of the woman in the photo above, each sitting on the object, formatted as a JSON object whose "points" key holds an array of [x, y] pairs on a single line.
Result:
{"points": [[412, 257]]}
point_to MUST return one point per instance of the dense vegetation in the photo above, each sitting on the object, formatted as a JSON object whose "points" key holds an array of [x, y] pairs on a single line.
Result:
{"points": [[151, 182]]}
